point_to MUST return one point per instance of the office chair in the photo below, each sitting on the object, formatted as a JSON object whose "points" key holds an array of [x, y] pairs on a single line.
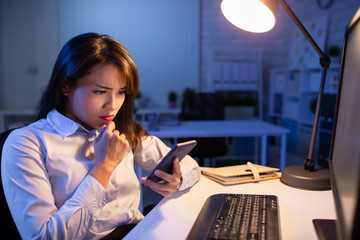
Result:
{"points": [[8, 228], [204, 106]]}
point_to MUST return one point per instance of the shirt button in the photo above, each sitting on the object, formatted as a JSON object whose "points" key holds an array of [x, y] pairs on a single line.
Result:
{"points": [[113, 182]]}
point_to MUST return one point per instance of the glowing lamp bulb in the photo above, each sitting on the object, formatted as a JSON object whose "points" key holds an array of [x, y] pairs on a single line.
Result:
{"points": [[249, 15]]}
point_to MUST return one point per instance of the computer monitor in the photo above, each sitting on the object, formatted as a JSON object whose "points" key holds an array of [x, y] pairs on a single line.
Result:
{"points": [[344, 158]]}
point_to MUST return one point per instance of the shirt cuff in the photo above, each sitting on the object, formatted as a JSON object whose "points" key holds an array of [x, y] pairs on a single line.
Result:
{"points": [[189, 178], [91, 194]]}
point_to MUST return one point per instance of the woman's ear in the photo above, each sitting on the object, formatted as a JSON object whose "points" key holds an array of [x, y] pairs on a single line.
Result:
{"points": [[65, 88]]}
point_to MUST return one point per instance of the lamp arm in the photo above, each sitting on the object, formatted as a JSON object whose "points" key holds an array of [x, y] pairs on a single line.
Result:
{"points": [[302, 28], [309, 163]]}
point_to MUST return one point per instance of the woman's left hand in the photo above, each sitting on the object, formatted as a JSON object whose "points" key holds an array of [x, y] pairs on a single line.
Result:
{"points": [[171, 181]]}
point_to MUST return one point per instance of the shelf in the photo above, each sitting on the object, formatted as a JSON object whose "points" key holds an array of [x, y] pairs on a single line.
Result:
{"points": [[307, 107], [310, 123], [292, 101], [237, 73]]}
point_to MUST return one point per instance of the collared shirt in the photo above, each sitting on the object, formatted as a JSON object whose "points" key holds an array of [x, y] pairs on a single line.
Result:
{"points": [[45, 178]]}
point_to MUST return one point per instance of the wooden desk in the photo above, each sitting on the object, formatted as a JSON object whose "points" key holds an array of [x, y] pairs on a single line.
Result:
{"points": [[174, 216], [228, 128]]}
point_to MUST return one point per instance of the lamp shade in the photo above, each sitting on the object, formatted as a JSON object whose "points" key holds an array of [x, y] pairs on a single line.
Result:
{"points": [[251, 15]]}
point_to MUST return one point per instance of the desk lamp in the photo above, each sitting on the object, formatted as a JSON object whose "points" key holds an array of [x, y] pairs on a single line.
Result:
{"points": [[259, 16]]}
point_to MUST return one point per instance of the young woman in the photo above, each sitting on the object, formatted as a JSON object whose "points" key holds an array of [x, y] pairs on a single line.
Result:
{"points": [[70, 174]]}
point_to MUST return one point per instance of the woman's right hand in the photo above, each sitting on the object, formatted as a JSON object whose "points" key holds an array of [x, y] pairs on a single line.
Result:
{"points": [[110, 148]]}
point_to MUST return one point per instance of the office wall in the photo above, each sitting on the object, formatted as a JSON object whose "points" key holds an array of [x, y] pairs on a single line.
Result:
{"points": [[217, 33], [161, 35], [2, 99], [28, 48]]}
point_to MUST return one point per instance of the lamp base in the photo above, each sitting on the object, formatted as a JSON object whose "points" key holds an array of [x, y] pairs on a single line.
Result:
{"points": [[298, 177]]}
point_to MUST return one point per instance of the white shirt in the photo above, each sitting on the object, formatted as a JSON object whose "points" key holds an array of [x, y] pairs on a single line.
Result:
{"points": [[49, 192]]}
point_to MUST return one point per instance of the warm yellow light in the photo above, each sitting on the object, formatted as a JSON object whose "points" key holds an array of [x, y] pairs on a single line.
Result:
{"points": [[250, 15]]}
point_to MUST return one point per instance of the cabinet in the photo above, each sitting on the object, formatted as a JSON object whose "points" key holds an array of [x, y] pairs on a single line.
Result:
{"points": [[292, 102], [237, 76]]}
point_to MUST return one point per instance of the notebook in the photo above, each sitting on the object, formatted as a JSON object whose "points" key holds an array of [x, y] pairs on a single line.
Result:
{"points": [[241, 173]]}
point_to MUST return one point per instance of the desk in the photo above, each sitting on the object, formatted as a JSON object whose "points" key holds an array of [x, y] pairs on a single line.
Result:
{"points": [[15, 118], [174, 216], [143, 112], [228, 128]]}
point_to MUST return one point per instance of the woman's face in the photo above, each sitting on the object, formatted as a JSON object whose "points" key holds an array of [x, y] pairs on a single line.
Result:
{"points": [[97, 97]]}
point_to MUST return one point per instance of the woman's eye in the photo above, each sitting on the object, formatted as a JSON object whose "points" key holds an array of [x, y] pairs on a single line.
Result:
{"points": [[122, 92], [100, 92]]}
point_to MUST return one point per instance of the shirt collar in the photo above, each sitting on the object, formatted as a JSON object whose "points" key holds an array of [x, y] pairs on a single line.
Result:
{"points": [[66, 127]]}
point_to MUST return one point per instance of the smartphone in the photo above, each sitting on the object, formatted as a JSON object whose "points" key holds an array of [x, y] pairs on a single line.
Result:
{"points": [[179, 150]]}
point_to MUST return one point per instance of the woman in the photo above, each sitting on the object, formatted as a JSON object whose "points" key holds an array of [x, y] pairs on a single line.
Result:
{"points": [[70, 175]]}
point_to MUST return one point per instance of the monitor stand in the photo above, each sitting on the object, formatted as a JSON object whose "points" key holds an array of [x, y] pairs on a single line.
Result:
{"points": [[325, 229]]}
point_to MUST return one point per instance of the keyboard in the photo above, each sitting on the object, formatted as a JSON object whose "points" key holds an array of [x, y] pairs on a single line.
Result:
{"points": [[237, 216]]}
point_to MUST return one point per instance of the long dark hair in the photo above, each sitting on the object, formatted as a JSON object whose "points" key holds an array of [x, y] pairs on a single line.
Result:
{"points": [[78, 56]]}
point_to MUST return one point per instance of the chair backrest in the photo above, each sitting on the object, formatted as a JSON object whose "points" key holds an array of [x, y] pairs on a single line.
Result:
{"points": [[202, 106], [8, 228]]}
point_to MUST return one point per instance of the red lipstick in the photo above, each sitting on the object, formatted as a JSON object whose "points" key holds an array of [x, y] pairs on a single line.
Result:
{"points": [[107, 118]]}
